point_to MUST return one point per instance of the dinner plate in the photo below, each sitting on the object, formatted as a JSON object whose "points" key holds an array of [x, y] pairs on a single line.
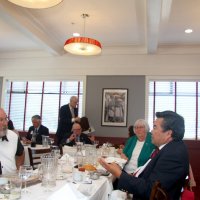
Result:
{"points": [[119, 161]]}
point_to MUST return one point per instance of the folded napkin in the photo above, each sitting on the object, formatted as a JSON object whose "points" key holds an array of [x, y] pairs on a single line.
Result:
{"points": [[118, 195], [66, 191], [86, 189]]}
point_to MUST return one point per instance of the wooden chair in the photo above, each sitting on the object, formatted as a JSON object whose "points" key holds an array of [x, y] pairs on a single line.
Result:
{"points": [[35, 156], [157, 192]]}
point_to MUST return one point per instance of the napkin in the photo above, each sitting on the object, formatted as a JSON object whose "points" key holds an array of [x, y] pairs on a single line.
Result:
{"points": [[86, 189], [118, 195], [67, 190]]}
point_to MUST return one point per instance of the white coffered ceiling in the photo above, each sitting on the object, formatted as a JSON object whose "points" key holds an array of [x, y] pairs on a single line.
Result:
{"points": [[122, 26]]}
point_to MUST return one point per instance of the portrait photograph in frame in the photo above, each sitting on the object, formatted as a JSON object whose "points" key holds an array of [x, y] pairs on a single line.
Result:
{"points": [[114, 107]]}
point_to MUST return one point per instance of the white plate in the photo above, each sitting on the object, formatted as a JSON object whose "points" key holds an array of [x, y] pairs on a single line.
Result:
{"points": [[120, 161]]}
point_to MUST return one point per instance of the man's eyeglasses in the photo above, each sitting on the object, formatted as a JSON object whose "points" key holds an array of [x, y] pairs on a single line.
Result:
{"points": [[78, 129]]}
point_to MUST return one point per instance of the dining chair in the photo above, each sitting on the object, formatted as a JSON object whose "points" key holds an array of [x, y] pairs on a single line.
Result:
{"points": [[35, 156], [157, 192]]}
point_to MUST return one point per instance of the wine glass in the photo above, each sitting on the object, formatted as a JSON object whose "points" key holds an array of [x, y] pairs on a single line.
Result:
{"points": [[25, 171], [96, 143], [51, 141]]}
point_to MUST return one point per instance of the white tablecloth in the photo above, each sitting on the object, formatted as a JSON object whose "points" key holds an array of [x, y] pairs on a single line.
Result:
{"points": [[98, 190]]}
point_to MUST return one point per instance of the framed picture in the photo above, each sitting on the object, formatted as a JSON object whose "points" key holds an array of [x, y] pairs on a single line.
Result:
{"points": [[114, 107]]}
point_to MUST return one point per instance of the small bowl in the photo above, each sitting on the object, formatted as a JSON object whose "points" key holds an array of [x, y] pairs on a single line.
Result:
{"points": [[94, 175]]}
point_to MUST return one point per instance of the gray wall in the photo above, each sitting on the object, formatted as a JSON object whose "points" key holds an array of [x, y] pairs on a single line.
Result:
{"points": [[136, 101]]}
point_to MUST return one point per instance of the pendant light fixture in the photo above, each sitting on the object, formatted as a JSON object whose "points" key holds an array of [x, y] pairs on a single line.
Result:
{"points": [[39, 4], [83, 45]]}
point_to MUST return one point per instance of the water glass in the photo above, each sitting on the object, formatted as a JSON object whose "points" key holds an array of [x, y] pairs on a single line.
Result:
{"points": [[16, 186], [45, 141], [48, 170], [55, 150], [25, 172]]}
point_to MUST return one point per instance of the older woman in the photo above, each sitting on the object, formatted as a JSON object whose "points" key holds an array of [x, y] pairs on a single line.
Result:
{"points": [[139, 147]]}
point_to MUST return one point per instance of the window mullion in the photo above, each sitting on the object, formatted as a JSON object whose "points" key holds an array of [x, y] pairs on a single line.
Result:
{"points": [[25, 104], [42, 97]]}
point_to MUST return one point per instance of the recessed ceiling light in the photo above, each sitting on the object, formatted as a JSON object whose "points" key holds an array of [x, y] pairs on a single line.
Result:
{"points": [[188, 30], [76, 34]]}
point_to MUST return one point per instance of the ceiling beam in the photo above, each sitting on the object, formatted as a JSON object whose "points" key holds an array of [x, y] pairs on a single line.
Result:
{"points": [[154, 8], [31, 26]]}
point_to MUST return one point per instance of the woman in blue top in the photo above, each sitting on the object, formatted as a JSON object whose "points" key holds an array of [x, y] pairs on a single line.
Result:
{"points": [[138, 148]]}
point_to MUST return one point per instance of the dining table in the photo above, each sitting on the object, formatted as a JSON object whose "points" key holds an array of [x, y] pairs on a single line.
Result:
{"points": [[67, 188]]}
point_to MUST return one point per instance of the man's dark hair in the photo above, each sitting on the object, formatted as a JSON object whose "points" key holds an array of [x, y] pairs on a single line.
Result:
{"points": [[172, 121]]}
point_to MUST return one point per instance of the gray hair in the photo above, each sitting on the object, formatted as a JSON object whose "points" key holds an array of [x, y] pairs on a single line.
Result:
{"points": [[73, 98], [37, 117], [142, 122]]}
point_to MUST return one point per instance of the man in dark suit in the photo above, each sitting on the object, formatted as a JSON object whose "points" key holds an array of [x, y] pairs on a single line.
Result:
{"points": [[37, 130], [68, 114], [170, 166], [78, 136]]}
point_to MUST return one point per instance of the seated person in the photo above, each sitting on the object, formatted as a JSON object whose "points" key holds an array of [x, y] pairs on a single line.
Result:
{"points": [[86, 128], [11, 149], [77, 136], [170, 166], [37, 131], [138, 148]]}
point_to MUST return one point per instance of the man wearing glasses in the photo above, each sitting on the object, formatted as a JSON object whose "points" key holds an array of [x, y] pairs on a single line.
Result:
{"points": [[78, 136]]}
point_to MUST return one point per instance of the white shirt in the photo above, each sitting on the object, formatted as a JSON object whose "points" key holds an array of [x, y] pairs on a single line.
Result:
{"points": [[8, 151], [132, 164]]}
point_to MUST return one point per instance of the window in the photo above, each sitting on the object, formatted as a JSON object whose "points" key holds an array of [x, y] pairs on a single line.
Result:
{"points": [[25, 99], [179, 96]]}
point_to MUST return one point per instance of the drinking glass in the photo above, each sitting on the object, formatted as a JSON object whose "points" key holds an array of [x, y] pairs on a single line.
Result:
{"points": [[105, 151], [55, 150], [96, 143], [51, 141], [25, 171]]}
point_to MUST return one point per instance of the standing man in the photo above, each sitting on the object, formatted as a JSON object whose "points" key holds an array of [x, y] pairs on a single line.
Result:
{"points": [[170, 166], [36, 131], [11, 149], [68, 114]]}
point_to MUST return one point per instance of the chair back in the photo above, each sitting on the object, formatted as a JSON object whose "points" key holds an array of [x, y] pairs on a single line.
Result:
{"points": [[157, 192], [35, 156]]}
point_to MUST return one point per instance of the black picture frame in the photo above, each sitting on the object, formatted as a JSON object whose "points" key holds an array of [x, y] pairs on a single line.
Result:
{"points": [[114, 107]]}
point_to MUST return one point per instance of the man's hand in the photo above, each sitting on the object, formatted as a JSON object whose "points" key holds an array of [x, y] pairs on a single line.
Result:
{"points": [[77, 119], [26, 141], [72, 137], [113, 168]]}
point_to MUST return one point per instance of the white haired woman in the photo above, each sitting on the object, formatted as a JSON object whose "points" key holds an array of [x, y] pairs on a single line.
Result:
{"points": [[138, 148]]}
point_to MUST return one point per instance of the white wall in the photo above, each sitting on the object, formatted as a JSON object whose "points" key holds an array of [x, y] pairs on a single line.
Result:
{"points": [[59, 67]]}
